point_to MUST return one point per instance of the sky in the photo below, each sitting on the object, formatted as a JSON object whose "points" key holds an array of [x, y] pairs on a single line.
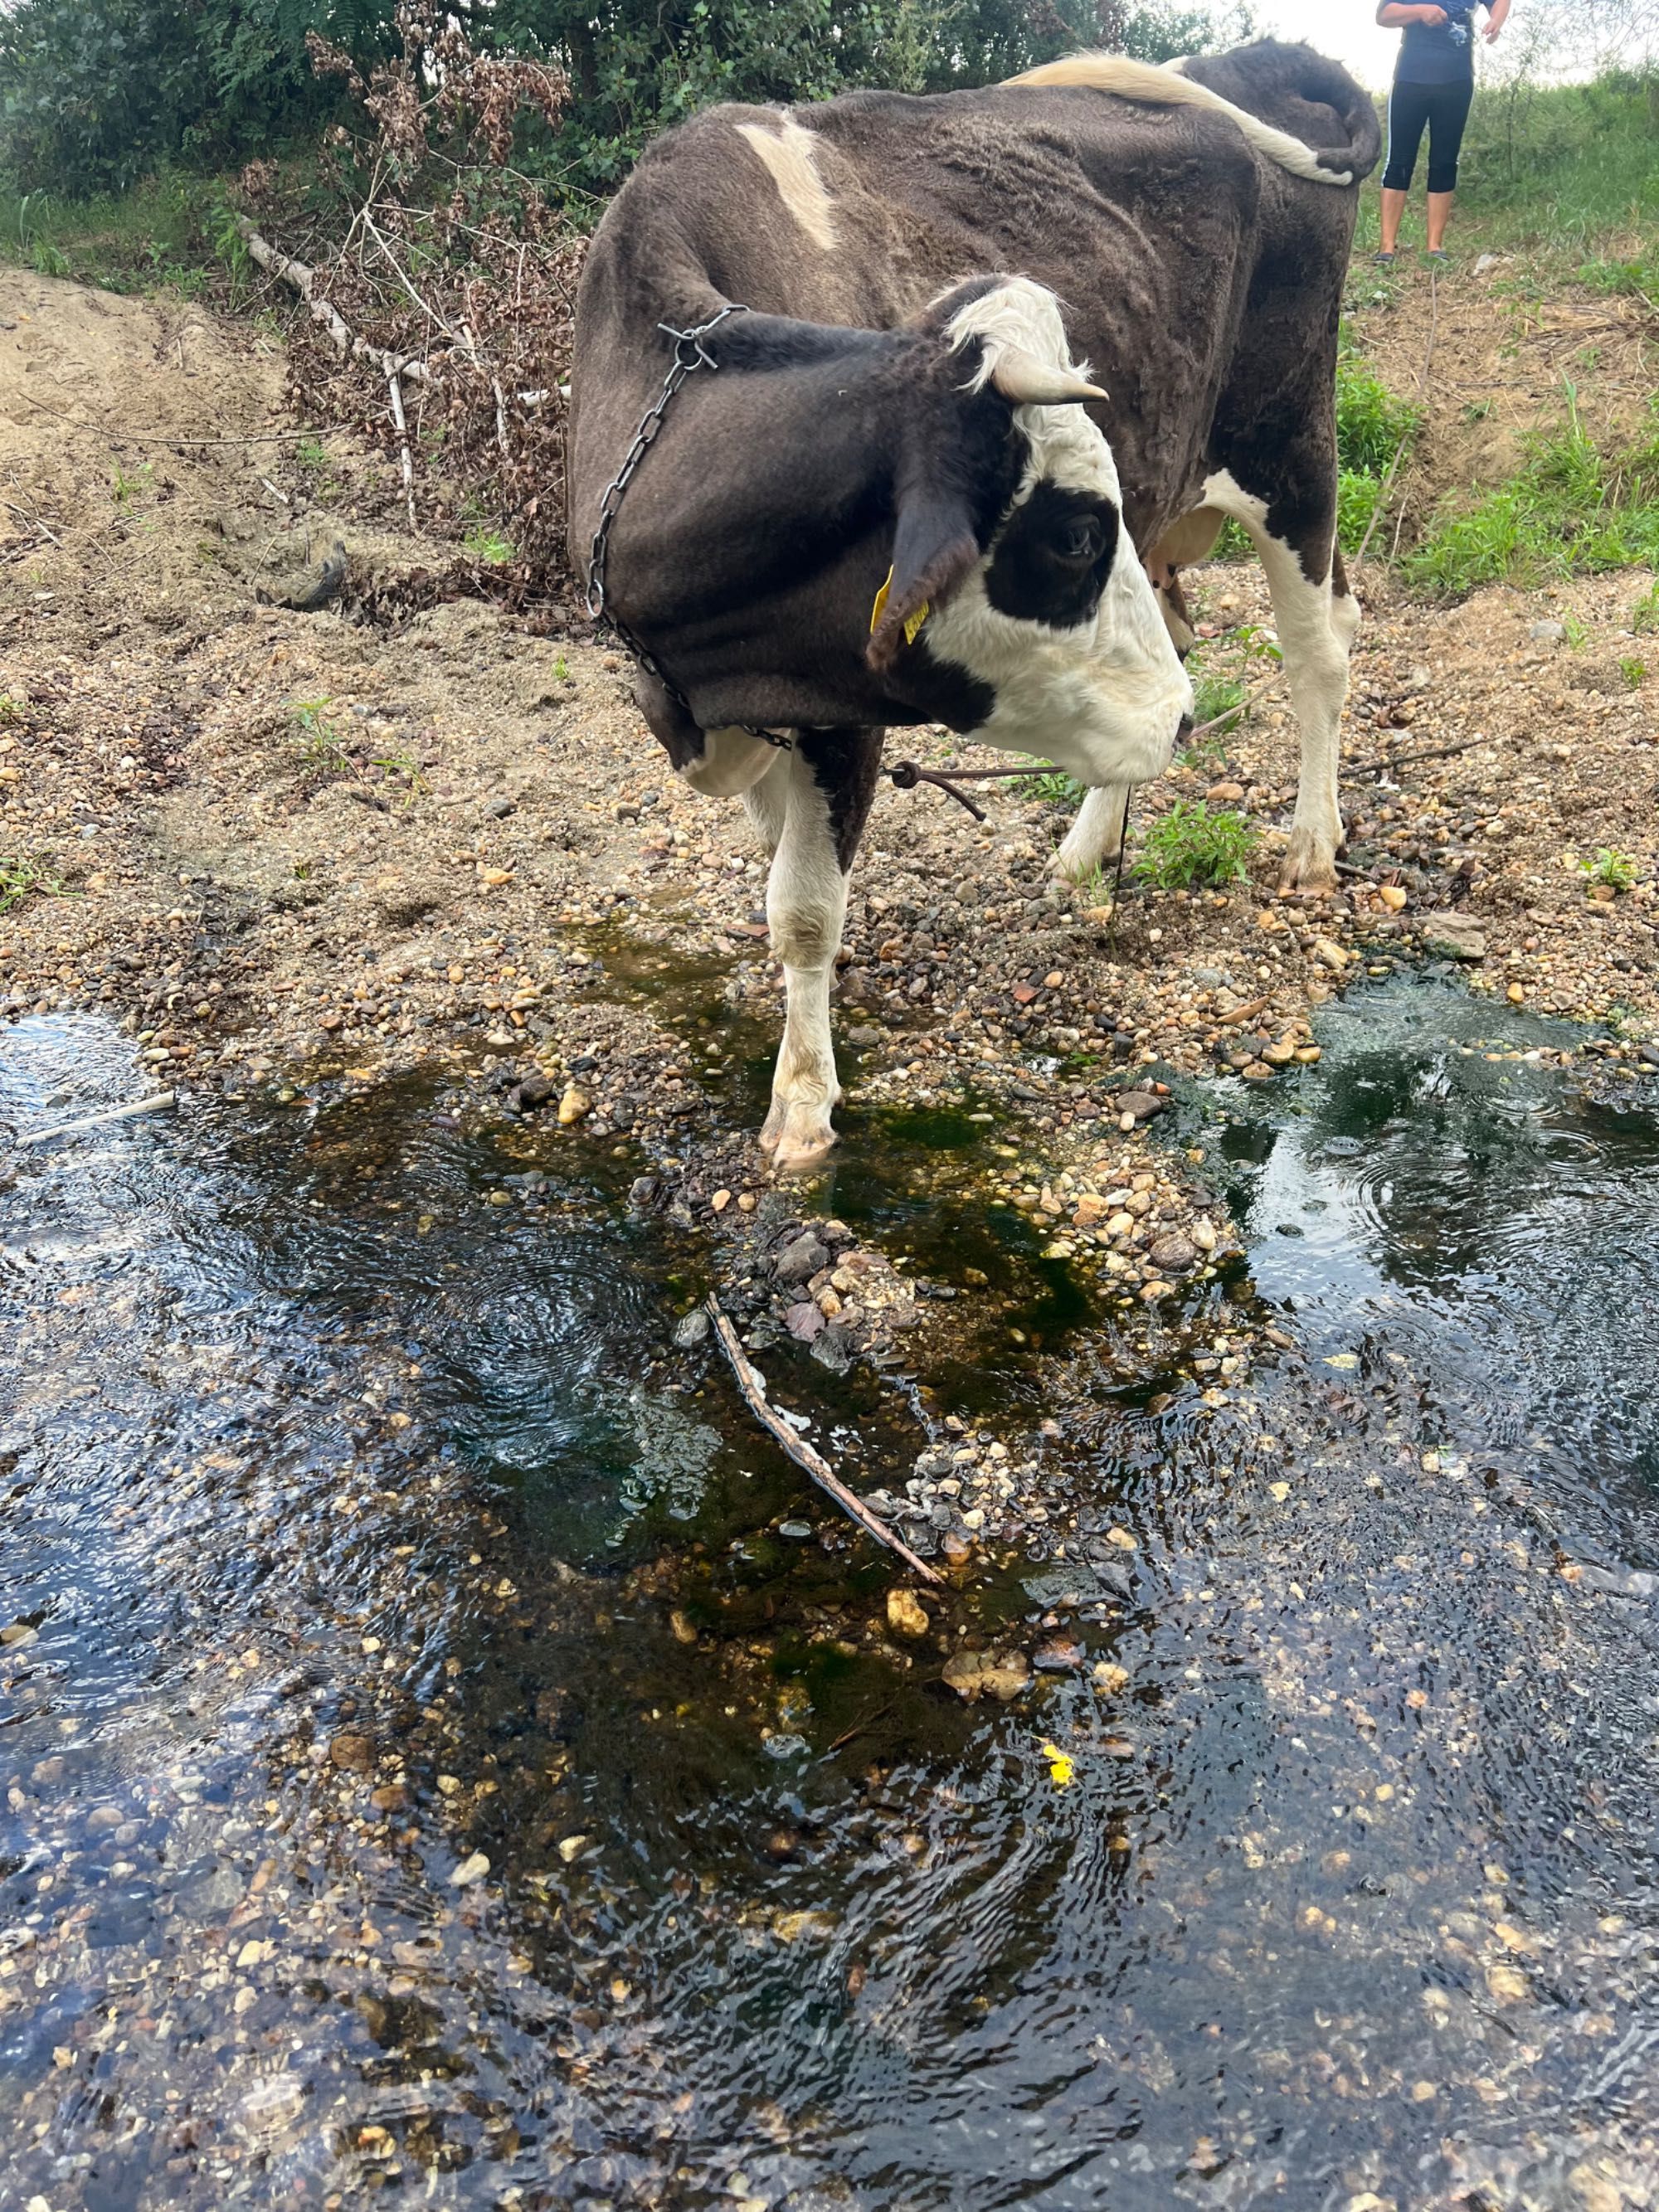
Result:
{"points": [[1343, 28]]}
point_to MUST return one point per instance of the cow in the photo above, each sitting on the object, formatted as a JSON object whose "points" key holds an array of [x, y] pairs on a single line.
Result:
{"points": [[898, 409]]}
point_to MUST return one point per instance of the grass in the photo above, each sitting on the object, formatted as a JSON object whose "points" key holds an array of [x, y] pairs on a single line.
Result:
{"points": [[1610, 869], [1634, 671], [488, 545], [319, 740], [19, 879], [1571, 510], [1192, 844], [1052, 785], [174, 231]]}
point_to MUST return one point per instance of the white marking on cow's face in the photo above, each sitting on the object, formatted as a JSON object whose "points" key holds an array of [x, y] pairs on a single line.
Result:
{"points": [[790, 156], [1104, 696]]}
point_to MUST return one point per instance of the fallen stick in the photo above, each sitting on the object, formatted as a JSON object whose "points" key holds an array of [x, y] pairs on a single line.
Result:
{"points": [[345, 341], [404, 463], [752, 1383], [157, 1103], [1384, 762]]}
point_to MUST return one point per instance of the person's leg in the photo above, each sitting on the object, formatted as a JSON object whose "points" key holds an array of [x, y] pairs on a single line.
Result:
{"points": [[1408, 116], [1448, 116]]}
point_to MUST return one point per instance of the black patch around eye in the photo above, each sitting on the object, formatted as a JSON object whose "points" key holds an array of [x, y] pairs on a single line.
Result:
{"points": [[1042, 570]]}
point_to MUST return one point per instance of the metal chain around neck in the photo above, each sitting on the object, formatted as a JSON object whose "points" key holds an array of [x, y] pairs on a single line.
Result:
{"points": [[691, 354]]}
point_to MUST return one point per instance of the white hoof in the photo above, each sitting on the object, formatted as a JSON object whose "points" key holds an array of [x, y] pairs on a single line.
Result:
{"points": [[1310, 862], [797, 1134]]}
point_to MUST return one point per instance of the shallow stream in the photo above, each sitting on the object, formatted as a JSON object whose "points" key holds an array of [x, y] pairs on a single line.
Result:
{"points": [[437, 1763]]}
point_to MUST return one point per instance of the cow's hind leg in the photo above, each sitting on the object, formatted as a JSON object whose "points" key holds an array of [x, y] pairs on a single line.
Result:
{"points": [[810, 807], [1317, 617]]}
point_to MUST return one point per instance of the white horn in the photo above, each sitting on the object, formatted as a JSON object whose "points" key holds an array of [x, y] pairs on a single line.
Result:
{"points": [[1021, 378]]}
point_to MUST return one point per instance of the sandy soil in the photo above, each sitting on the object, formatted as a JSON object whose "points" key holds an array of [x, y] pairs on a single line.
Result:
{"points": [[343, 840]]}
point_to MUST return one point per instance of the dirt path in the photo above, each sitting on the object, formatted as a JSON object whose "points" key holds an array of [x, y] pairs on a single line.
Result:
{"points": [[275, 839]]}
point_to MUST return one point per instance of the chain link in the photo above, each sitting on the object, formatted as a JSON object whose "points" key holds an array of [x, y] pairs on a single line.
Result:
{"points": [[691, 354]]}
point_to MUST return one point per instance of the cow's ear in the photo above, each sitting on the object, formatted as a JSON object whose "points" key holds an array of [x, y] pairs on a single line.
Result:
{"points": [[934, 547]]}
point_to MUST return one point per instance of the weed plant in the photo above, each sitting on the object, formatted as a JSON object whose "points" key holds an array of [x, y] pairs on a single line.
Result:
{"points": [[1194, 845]]}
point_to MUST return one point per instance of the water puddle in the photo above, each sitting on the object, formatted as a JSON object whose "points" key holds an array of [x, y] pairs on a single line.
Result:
{"points": [[446, 1754]]}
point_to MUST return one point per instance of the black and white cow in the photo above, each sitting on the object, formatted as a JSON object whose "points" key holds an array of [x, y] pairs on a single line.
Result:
{"points": [[895, 494]]}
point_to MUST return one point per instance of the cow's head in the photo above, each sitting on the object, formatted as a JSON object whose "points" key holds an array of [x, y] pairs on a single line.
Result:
{"points": [[1043, 605]]}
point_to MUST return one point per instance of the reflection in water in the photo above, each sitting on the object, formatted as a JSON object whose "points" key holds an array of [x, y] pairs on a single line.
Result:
{"points": [[445, 1756]]}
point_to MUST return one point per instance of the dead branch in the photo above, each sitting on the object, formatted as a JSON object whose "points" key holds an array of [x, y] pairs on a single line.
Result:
{"points": [[752, 1383], [404, 461], [158, 1102], [1386, 763], [346, 343]]}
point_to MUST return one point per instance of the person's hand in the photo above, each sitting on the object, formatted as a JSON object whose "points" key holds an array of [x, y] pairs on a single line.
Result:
{"points": [[1490, 34], [1434, 17]]}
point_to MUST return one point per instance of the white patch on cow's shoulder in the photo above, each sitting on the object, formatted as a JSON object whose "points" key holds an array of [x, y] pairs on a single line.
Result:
{"points": [[1102, 700], [791, 154], [1316, 630]]}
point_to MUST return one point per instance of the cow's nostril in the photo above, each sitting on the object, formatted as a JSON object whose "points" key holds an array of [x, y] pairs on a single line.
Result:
{"points": [[1184, 728]]}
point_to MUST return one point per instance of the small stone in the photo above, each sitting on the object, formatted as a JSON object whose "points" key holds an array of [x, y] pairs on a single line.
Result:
{"points": [[798, 1532], [1173, 1255], [974, 1674], [1121, 1541], [1517, 994], [1393, 896], [574, 1106], [682, 1629], [1226, 793], [691, 1329], [1454, 937], [1330, 955], [1547, 633], [1507, 1984], [352, 1753], [571, 1849], [906, 1615], [1308, 1055], [471, 1869], [807, 1320], [800, 1260], [1109, 1678], [1059, 1655], [1138, 1106], [720, 1201]]}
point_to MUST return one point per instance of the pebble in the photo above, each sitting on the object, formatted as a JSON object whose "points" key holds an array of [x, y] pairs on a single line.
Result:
{"points": [[906, 1615], [1454, 936], [574, 1106], [692, 1329]]}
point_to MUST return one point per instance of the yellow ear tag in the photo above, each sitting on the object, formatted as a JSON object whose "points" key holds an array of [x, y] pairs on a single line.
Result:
{"points": [[913, 623]]}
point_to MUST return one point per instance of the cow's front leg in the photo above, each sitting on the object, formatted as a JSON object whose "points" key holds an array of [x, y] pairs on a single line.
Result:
{"points": [[811, 807], [1095, 838]]}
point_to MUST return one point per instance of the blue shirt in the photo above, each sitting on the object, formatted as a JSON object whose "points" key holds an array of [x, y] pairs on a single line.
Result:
{"points": [[1441, 53]]}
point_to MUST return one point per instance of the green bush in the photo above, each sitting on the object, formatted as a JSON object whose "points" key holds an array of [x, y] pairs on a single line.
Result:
{"points": [[96, 93], [1571, 510], [1192, 845]]}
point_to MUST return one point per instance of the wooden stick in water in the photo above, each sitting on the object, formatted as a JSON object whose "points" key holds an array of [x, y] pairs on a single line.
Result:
{"points": [[157, 1103], [752, 1383]]}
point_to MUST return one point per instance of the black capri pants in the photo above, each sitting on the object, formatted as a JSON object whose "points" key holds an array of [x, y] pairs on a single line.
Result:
{"points": [[1441, 109]]}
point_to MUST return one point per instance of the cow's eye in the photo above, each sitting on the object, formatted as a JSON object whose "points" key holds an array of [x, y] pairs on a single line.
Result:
{"points": [[1079, 540]]}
